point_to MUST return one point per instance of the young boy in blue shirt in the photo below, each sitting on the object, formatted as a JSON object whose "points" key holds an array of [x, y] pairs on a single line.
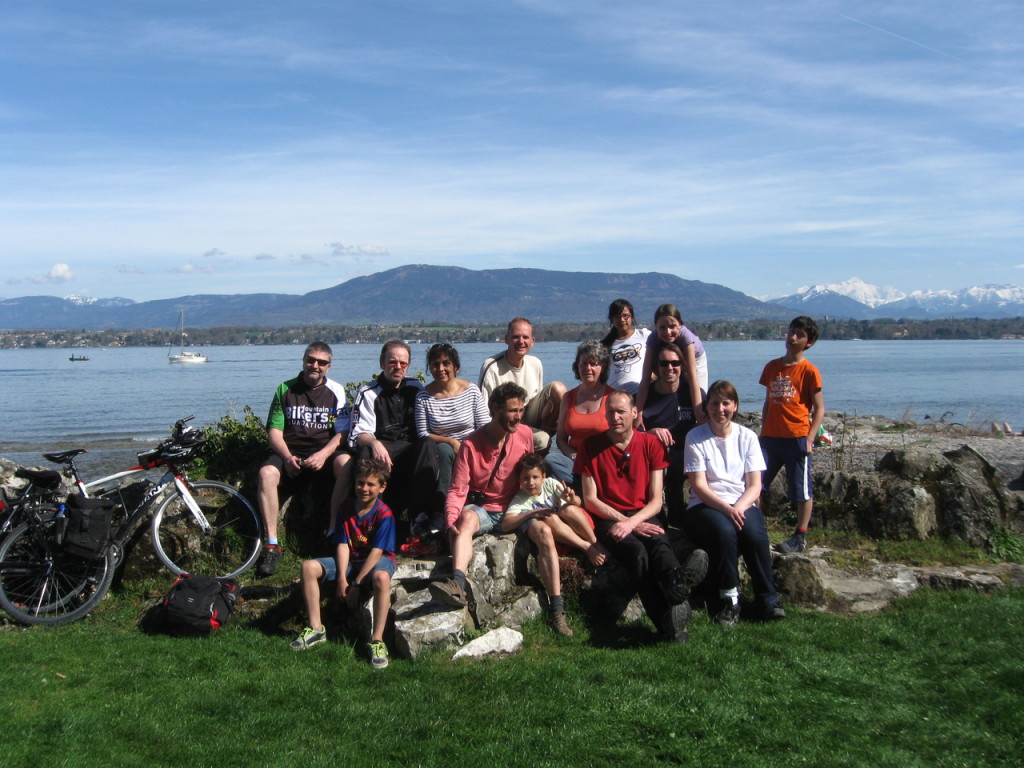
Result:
{"points": [[791, 417], [363, 531]]}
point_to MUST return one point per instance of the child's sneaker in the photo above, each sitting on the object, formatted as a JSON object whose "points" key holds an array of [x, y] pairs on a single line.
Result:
{"points": [[270, 558], [795, 543], [378, 654], [308, 638], [559, 623]]}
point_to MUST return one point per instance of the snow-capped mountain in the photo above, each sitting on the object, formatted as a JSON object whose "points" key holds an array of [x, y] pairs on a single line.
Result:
{"points": [[86, 301], [857, 299], [856, 289], [977, 301]]}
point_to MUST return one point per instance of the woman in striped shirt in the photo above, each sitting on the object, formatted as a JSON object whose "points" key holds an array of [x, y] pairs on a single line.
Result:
{"points": [[448, 409]]}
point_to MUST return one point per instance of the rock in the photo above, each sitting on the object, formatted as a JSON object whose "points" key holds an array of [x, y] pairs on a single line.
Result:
{"points": [[978, 578], [973, 502], [909, 513], [501, 640], [914, 464], [519, 611], [917, 494], [422, 623], [806, 579]]}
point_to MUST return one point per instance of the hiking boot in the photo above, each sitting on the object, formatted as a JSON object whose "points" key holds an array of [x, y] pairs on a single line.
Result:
{"points": [[270, 558], [673, 624], [729, 616], [686, 577], [448, 592], [307, 638], [771, 613], [795, 543], [378, 654], [559, 623]]}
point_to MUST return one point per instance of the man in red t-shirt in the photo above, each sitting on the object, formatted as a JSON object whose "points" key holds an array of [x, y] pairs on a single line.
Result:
{"points": [[622, 472]]}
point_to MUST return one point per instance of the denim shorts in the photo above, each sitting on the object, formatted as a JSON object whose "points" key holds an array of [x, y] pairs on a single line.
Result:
{"points": [[330, 566], [488, 520]]}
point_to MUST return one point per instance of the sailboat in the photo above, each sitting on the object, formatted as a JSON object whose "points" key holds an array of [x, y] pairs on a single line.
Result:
{"points": [[183, 356]]}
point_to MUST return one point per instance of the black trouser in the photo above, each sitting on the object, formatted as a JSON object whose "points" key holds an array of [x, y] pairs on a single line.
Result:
{"points": [[649, 559], [413, 483]]}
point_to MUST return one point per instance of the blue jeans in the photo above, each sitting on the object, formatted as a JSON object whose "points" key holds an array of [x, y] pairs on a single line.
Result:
{"points": [[330, 566], [559, 464], [715, 534]]}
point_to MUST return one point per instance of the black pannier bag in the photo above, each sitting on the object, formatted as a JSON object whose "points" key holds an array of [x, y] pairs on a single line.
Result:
{"points": [[89, 529]]}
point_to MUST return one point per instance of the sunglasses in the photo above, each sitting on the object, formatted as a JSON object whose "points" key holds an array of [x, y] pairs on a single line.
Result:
{"points": [[318, 361], [670, 363], [624, 463]]}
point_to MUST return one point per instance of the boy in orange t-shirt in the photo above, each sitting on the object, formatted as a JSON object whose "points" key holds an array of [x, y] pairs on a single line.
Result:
{"points": [[792, 414]]}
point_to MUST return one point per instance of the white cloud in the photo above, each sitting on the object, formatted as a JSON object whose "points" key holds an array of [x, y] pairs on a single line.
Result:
{"points": [[192, 269], [340, 249], [59, 273], [308, 260]]}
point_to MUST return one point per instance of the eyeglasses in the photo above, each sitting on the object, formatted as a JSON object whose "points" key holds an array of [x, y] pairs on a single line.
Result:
{"points": [[318, 361], [398, 363], [670, 363], [625, 316]]}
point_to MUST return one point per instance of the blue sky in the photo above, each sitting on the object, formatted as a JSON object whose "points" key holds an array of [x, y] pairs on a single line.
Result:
{"points": [[162, 148]]}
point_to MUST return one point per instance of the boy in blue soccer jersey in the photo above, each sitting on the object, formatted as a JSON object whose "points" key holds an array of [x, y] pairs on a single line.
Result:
{"points": [[363, 530]]}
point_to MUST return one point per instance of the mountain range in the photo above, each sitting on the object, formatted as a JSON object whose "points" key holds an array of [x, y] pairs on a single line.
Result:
{"points": [[436, 294], [858, 300], [409, 294]]}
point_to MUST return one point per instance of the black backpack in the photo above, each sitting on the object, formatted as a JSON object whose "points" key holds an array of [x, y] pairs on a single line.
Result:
{"points": [[198, 605], [88, 527]]}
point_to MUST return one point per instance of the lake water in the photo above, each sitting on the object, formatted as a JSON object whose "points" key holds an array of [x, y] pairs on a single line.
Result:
{"points": [[123, 400]]}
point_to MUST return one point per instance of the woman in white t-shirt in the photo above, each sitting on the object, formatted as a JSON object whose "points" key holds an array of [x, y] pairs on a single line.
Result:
{"points": [[724, 463], [626, 345]]}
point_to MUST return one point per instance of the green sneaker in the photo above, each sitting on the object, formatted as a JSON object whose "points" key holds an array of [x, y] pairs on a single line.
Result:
{"points": [[378, 654], [308, 638]]}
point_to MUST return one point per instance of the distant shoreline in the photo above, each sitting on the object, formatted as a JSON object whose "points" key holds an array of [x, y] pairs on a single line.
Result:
{"points": [[831, 329]]}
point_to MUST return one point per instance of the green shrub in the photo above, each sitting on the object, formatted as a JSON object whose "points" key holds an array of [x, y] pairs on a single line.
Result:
{"points": [[233, 447], [1008, 546]]}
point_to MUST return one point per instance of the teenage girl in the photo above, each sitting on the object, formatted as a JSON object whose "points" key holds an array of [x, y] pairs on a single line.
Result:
{"points": [[626, 345], [668, 323]]}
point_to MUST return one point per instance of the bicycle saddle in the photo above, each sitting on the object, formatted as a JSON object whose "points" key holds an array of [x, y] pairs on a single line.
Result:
{"points": [[47, 479], [63, 457]]}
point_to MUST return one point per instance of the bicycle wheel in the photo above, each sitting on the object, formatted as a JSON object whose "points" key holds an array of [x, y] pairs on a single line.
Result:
{"points": [[231, 545], [39, 584]]}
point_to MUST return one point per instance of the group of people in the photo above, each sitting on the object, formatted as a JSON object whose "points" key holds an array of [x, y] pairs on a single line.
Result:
{"points": [[599, 468]]}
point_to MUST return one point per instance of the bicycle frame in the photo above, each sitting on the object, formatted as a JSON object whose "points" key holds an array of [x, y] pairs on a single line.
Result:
{"points": [[171, 476]]}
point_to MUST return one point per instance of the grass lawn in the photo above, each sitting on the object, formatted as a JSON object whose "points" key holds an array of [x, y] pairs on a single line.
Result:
{"points": [[938, 680]]}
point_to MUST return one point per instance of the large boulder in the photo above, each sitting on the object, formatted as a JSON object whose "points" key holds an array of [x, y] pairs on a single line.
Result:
{"points": [[917, 494]]}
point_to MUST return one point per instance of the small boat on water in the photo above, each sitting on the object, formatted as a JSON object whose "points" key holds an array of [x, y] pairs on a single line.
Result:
{"points": [[78, 358], [183, 356]]}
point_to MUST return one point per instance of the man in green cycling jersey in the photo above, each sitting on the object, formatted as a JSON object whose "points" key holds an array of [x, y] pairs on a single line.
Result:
{"points": [[306, 427]]}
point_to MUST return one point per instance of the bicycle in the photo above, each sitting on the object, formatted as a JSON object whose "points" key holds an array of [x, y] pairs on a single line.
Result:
{"points": [[39, 582], [198, 527]]}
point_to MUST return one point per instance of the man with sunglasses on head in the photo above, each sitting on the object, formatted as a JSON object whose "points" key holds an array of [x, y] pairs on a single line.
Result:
{"points": [[622, 472], [306, 428]]}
